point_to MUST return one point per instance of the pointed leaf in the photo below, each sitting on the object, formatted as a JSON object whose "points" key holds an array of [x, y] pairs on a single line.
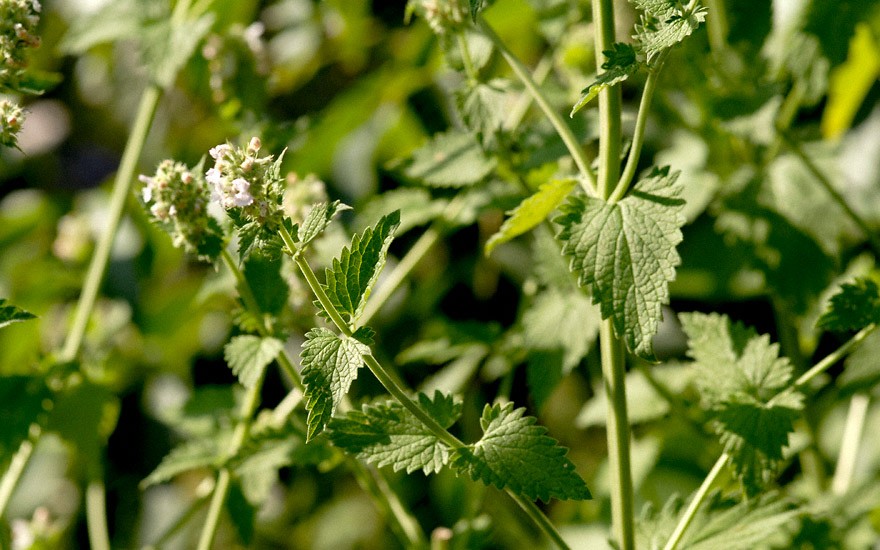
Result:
{"points": [[330, 364], [11, 314], [856, 306], [665, 23], [317, 220], [625, 253], [532, 211], [621, 65], [354, 272], [198, 453], [249, 355], [515, 453], [387, 434]]}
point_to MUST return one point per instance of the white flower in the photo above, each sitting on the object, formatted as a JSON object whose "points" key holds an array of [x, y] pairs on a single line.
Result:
{"points": [[147, 193], [214, 177], [242, 196], [219, 150]]}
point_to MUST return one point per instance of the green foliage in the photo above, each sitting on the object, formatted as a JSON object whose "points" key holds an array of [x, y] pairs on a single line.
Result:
{"points": [[856, 306], [625, 253], [263, 275], [317, 220], [248, 356], [192, 455], [665, 23], [746, 385], [22, 402], [621, 64], [387, 434], [11, 314], [330, 365], [452, 159], [516, 454], [354, 272], [531, 211]]}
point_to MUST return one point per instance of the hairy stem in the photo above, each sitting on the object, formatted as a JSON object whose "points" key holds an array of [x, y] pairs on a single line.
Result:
{"points": [[694, 505], [568, 138], [850, 443], [825, 182], [632, 161]]}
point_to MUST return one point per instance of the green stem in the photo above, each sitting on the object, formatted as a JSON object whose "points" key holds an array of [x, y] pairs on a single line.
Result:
{"points": [[399, 393], [613, 374], [466, 59], [178, 524], [404, 525], [250, 303], [17, 465], [612, 349], [832, 358], [516, 114], [96, 512], [850, 443], [716, 24], [694, 505], [632, 162], [795, 148], [221, 488], [121, 190], [568, 138]]}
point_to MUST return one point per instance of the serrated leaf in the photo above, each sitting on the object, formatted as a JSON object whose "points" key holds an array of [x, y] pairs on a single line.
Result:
{"points": [[198, 453], [621, 64], [11, 314], [856, 306], [746, 386], [353, 274], [625, 253], [249, 355], [452, 159], [665, 23], [515, 453], [387, 434], [330, 364], [317, 220], [532, 211]]}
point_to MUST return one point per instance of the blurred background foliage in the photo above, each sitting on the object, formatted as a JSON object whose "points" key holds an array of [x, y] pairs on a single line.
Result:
{"points": [[351, 91]]}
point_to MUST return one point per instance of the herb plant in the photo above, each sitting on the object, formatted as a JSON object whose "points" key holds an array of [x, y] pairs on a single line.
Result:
{"points": [[609, 267]]}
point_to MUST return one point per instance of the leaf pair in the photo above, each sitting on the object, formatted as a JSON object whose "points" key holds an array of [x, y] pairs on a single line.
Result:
{"points": [[513, 453]]}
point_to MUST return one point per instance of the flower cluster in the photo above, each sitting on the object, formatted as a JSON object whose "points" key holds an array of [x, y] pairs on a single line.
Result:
{"points": [[443, 15], [245, 184], [11, 119], [178, 199], [18, 31]]}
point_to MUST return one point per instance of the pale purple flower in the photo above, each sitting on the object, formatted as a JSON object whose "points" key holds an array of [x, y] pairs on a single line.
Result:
{"points": [[219, 150], [242, 196]]}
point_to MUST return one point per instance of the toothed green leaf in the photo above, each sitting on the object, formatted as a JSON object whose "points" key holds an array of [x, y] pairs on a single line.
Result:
{"points": [[625, 253], [317, 220], [856, 306], [353, 274], [532, 211], [664, 24], [621, 64], [746, 386], [516, 454], [249, 355], [330, 364], [387, 434], [11, 314]]}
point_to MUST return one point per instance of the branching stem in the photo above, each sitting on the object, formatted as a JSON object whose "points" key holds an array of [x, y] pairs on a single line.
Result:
{"points": [[568, 138], [694, 505]]}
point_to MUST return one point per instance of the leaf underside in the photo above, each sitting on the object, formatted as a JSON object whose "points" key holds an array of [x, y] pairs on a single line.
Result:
{"points": [[317, 220], [249, 355]]}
